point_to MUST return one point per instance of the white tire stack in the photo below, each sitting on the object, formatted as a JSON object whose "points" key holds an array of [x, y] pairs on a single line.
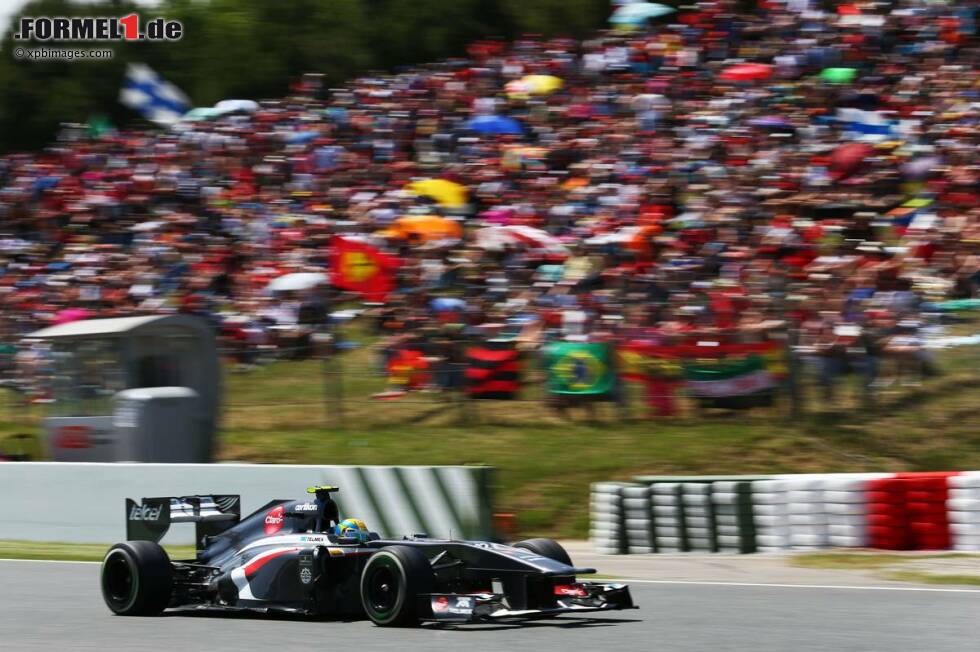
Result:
{"points": [[724, 495], [846, 510], [805, 513], [963, 510], [666, 512], [699, 523], [638, 510], [606, 512], [771, 515]]}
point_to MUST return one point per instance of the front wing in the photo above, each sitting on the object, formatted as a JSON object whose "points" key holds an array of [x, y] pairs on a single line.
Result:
{"points": [[484, 607]]}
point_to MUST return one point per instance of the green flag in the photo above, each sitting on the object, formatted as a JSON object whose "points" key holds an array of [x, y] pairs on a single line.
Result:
{"points": [[99, 126], [728, 377], [579, 368]]}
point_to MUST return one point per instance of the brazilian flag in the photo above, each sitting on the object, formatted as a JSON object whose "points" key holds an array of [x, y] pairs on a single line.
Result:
{"points": [[579, 368]]}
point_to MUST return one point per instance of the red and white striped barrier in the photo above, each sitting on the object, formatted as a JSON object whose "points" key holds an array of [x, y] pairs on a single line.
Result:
{"points": [[933, 510]]}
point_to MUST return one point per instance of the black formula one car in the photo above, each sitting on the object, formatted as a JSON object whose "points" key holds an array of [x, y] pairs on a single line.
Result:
{"points": [[287, 557]]}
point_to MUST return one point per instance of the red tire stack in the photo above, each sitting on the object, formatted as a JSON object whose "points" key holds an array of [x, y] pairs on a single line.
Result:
{"points": [[926, 495], [888, 518]]}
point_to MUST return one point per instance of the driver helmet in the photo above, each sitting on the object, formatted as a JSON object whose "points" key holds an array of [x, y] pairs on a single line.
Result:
{"points": [[352, 528]]}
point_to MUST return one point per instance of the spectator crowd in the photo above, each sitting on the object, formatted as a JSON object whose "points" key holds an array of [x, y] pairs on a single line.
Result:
{"points": [[793, 174]]}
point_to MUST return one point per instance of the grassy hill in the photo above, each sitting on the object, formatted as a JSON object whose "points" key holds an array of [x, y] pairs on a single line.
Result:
{"points": [[279, 413]]}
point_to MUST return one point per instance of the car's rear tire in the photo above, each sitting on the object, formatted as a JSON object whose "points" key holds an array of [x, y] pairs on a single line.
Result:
{"points": [[137, 579], [546, 548], [391, 583]]}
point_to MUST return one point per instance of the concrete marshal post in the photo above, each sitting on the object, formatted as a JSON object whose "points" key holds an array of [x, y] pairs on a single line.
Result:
{"points": [[84, 503]]}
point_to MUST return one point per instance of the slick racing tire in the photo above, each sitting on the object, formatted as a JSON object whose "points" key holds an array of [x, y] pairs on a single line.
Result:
{"points": [[546, 548], [137, 579], [391, 583]]}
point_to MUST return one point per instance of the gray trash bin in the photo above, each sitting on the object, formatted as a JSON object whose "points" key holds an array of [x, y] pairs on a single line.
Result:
{"points": [[160, 424]]}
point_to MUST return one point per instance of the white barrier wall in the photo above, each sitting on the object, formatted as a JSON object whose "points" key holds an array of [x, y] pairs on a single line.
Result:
{"points": [[84, 503]]}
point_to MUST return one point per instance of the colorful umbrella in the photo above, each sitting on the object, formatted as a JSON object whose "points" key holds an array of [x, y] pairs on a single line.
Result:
{"points": [[635, 13], [747, 72], [496, 238], [838, 75], [296, 281], [494, 124], [423, 228], [534, 85], [847, 159], [444, 192], [70, 315]]}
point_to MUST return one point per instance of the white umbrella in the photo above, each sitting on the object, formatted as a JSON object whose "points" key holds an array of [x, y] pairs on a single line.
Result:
{"points": [[495, 238], [296, 281], [623, 235], [146, 226], [635, 13], [230, 106]]}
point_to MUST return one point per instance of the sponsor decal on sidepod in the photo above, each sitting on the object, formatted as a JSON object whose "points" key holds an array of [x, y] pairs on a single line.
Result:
{"points": [[273, 520]]}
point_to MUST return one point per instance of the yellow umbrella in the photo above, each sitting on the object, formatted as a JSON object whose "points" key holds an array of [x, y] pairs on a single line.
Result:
{"points": [[542, 84], [422, 228], [446, 193], [533, 85]]}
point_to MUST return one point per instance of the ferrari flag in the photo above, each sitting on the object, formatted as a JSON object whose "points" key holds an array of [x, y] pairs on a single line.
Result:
{"points": [[579, 368], [359, 267]]}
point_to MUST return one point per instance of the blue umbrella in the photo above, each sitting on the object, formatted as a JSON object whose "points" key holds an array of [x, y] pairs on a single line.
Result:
{"points": [[635, 13], [301, 137], [494, 124]]}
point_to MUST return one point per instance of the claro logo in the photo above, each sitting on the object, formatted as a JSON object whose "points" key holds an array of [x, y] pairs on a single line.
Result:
{"points": [[273, 520], [145, 513]]}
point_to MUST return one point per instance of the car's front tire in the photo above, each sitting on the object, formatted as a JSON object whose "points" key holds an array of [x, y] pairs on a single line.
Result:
{"points": [[137, 579], [546, 548], [391, 583]]}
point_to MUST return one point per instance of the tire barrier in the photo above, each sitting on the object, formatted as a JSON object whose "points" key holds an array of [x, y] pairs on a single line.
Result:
{"points": [[745, 514], [607, 529], [638, 510], [668, 517], [84, 503], [699, 517], [926, 495], [963, 508]]}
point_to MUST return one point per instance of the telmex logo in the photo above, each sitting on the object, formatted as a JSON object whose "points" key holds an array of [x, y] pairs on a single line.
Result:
{"points": [[145, 513]]}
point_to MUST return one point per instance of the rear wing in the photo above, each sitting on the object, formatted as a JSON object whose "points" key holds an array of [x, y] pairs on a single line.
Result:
{"points": [[211, 516]]}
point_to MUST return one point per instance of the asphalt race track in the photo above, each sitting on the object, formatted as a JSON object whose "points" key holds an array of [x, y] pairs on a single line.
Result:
{"points": [[57, 606]]}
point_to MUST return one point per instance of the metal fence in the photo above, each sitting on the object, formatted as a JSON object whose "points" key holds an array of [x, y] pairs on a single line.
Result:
{"points": [[348, 389], [339, 392]]}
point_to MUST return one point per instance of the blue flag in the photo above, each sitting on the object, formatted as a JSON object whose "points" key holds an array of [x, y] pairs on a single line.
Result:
{"points": [[158, 100]]}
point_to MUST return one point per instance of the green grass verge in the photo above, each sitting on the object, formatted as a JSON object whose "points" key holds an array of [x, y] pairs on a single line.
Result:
{"points": [[845, 560], [929, 578], [891, 566], [73, 551]]}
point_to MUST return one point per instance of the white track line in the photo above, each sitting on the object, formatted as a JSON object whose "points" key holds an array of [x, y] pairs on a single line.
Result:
{"points": [[796, 586], [51, 561], [637, 581]]}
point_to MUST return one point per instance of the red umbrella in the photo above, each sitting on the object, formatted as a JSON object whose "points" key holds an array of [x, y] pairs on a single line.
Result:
{"points": [[847, 159], [747, 72]]}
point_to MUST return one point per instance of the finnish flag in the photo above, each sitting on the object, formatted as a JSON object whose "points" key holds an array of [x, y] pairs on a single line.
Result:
{"points": [[158, 100], [865, 125]]}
